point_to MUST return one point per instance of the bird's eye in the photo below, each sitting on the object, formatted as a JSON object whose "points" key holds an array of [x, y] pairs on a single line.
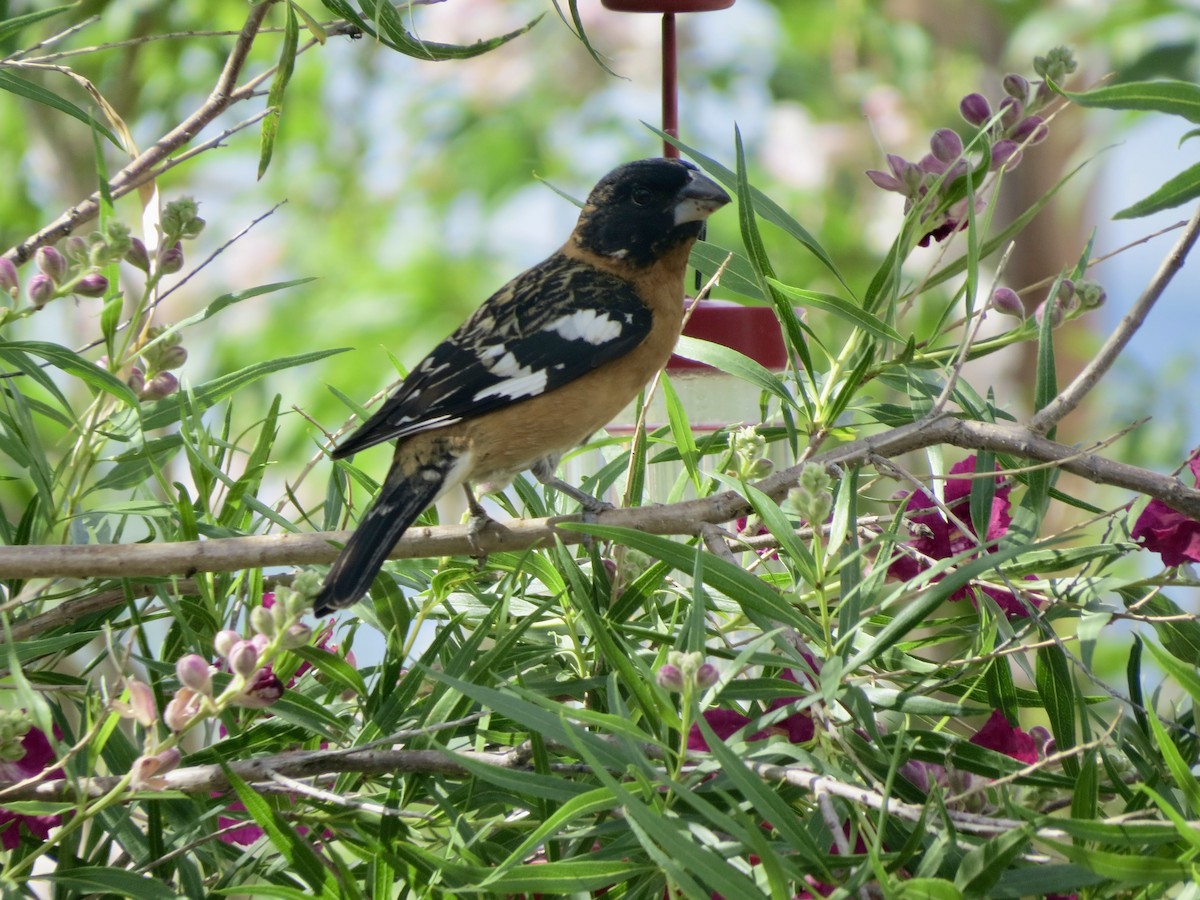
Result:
{"points": [[640, 196]]}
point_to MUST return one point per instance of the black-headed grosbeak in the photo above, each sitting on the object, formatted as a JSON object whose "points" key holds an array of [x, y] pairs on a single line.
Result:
{"points": [[549, 359]]}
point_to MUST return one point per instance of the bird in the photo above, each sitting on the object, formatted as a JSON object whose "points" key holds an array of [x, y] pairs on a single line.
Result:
{"points": [[545, 362]]}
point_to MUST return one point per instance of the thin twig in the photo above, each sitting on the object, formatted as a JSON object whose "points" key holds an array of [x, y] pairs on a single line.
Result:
{"points": [[1071, 396]]}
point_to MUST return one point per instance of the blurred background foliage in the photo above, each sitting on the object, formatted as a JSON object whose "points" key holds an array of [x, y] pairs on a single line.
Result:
{"points": [[414, 188]]}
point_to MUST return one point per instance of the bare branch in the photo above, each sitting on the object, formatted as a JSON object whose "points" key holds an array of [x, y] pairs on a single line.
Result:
{"points": [[186, 558]]}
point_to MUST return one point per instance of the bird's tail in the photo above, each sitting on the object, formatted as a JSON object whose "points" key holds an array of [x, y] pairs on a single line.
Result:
{"points": [[402, 498]]}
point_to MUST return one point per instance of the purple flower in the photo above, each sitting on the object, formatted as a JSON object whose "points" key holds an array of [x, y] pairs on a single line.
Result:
{"points": [[996, 734], [938, 537], [35, 760], [262, 691], [1168, 532], [726, 722]]}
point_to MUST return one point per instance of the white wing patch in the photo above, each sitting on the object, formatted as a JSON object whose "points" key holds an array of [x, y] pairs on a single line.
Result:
{"points": [[586, 325], [526, 385], [518, 380]]}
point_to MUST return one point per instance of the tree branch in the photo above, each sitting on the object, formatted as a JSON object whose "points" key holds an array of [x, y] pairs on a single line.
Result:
{"points": [[186, 558], [1071, 396], [142, 169]]}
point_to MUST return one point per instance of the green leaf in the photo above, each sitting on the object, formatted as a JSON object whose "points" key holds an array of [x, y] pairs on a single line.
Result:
{"points": [[283, 74], [104, 880], [1179, 190], [984, 865], [736, 364], [35, 92], [759, 601], [1180, 770], [926, 889], [1132, 869], [395, 35], [70, 362], [167, 411], [1176, 98], [681, 431], [752, 238], [739, 275], [1178, 630], [842, 308], [1057, 690], [11, 26], [983, 492]]}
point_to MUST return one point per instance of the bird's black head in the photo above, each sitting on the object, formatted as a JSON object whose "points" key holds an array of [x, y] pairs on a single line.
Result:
{"points": [[643, 209]]}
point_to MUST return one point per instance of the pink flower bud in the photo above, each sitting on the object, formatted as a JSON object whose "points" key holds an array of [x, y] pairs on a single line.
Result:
{"points": [[262, 621], [172, 357], [182, 708], [946, 145], [1055, 312], [264, 689], [975, 109], [10, 282], [141, 703], [1091, 295], [52, 263], [92, 284], [1016, 86], [243, 658], [1005, 152], [885, 181], [136, 380], [171, 259], [164, 384], [706, 676], [297, 635], [223, 641], [41, 289], [137, 255], [1007, 302], [147, 771], [193, 671], [670, 677], [77, 250], [1011, 111], [260, 642], [1031, 130]]}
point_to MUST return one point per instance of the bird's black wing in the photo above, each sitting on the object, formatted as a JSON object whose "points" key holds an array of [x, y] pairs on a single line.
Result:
{"points": [[548, 326]]}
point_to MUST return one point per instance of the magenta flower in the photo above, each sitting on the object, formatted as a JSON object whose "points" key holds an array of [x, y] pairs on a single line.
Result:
{"points": [[798, 727], [940, 537], [996, 734], [1168, 532], [37, 758]]}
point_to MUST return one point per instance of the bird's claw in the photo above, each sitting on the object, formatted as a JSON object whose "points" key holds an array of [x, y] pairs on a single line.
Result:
{"points": [[480, 525]]}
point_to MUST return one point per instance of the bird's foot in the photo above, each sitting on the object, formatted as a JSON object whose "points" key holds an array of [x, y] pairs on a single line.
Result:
{"points": [[479, 527]]}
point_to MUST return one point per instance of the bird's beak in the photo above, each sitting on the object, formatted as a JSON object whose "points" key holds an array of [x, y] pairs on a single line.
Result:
{"points": [[698, 199]]}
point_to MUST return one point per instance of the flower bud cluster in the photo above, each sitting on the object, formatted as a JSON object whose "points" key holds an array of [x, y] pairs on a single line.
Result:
{"points": [[150, 376], [749, 449], [73, 269], [936, 181], [178, 223], [812, 499], [1071, 300], [684, 672], [14, 725]]}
